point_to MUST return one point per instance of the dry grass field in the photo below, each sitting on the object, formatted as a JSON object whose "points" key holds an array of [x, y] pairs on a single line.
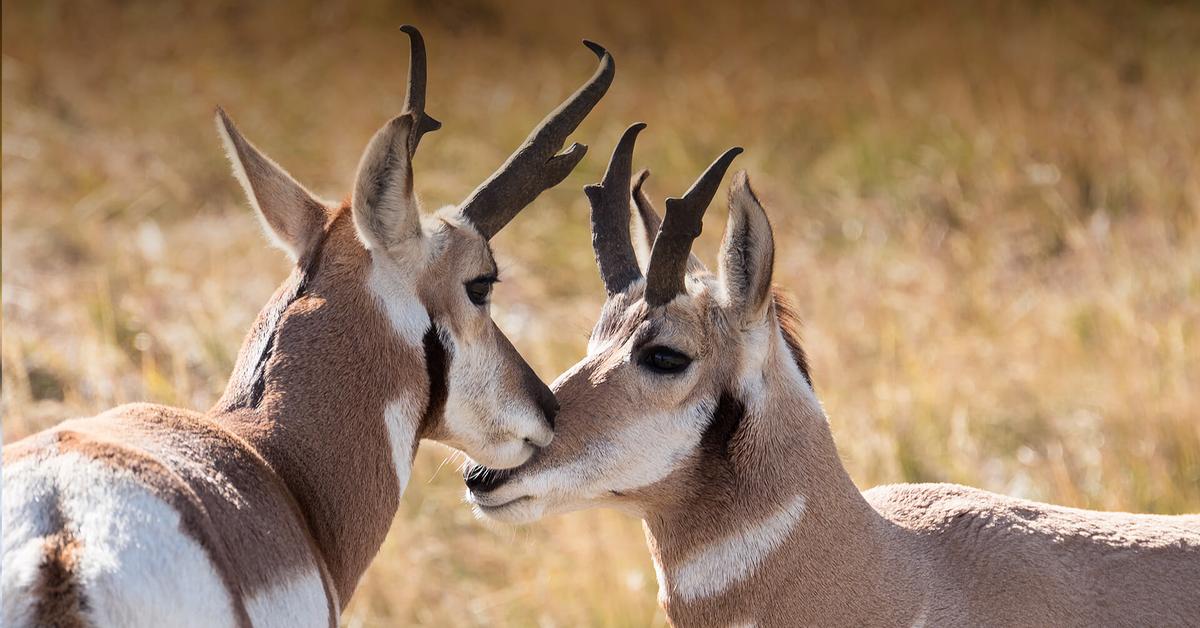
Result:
{"points": [[988, 212]]}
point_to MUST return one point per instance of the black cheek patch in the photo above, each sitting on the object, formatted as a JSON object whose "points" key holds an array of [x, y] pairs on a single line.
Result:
{"points": [[437, 366], [726, 420]]}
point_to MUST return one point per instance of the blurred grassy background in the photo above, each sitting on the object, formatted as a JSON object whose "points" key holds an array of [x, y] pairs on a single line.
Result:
{"points": [[989, 213]]}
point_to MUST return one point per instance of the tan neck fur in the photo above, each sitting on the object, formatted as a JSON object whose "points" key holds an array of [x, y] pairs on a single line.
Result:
{"points": [[336, 376]]}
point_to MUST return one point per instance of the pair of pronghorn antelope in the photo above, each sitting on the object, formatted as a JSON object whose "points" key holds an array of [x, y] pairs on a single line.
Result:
{"points": [[694, 409]]}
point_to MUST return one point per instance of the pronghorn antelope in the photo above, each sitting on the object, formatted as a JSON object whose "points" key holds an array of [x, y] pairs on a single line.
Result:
{"points": [[694, 410], [266, 510]]}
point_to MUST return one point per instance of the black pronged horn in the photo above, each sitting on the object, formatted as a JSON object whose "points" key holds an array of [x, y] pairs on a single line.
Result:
{"points": [[536, 165], [650, 219], [680, 227], [610, 200], [414, 99]]}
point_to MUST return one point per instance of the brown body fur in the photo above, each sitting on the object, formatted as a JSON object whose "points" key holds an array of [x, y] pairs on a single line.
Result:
{"points": [[319, 424], [60, 599]]}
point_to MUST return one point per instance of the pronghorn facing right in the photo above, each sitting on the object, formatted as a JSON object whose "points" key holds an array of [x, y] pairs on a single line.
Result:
{"points": [[266, 510], [694, 410]]}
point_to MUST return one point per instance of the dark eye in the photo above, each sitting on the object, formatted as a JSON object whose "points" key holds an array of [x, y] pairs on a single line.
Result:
{"points": [[665, 360], [478, 290]]}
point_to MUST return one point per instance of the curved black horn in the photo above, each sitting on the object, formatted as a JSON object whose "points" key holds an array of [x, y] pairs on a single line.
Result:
{"points": [[649, 217], [680, 227], [536, 165], [414, 100], [610, 201]]}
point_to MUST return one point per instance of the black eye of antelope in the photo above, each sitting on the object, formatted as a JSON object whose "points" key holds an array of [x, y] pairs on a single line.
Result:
{"points": [[479, 289], [664, 360]]}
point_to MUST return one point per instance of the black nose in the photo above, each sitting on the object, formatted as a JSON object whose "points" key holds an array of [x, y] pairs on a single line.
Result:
{"points": [[480, 479]]}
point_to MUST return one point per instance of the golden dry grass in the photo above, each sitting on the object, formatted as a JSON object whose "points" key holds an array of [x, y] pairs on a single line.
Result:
{"points": [[989, 214]]}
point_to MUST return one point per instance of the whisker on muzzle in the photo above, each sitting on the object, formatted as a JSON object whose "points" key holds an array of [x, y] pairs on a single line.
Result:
{"points": [[452, 456]]}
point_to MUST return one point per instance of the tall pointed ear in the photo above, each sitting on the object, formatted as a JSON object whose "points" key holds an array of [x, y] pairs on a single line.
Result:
{"points": [[384, 204], [747, 253], [291, 215], [644, 225]]}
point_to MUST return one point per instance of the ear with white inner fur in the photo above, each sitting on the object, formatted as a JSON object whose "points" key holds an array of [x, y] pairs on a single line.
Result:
{"points": [[291, 215], [384, 204], [747, 255]]}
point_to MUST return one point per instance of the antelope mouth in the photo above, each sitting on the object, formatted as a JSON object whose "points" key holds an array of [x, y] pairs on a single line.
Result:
{"points": [[501, 495], [495, 510], [482, 483], [480, 479], [495, 495]]}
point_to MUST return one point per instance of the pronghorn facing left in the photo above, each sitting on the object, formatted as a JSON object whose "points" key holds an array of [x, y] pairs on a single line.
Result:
{"points": [[694, 410], [266, 510]]}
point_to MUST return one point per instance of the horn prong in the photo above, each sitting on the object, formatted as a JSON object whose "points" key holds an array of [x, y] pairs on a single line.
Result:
{"points": [[537, 165], [610, 200], [414, 98], [681, 225]]}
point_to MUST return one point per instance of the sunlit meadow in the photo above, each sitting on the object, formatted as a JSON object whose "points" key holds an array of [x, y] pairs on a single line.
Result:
{"points": [[988, 213]]}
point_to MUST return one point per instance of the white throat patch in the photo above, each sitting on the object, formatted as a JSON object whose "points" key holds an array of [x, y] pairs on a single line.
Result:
{"points": [[400, 416], [409, 320], [715, 568]]}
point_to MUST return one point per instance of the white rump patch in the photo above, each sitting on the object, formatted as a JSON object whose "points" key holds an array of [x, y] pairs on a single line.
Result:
{"points": [[136, 566], [719, 566], [295, 601], [26, 524]]}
